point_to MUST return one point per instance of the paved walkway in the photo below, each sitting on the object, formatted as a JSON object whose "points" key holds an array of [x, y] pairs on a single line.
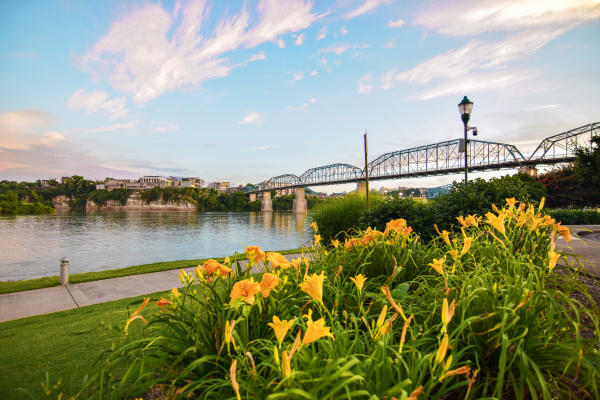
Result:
{"points": [[59, 298]]}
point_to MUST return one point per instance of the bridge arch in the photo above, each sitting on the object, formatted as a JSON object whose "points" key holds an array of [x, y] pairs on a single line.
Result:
{"points": [[331, 173]]}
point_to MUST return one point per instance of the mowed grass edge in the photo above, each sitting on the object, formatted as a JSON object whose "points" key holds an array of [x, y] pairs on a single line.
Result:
{"points": [[39, 283], [66, 344]]}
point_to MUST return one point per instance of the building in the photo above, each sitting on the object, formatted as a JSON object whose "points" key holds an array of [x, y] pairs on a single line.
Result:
{"points": [[150, 181], [222, 186]]}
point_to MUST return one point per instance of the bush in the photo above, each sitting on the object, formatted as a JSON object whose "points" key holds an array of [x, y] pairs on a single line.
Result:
{"points": [[477, 314], [337, 217], [575, 216]]}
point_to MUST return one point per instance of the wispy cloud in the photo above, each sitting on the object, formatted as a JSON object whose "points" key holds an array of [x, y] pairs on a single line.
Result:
{"points": [[297, 76], [299, 40], [251, 117], [336, 49], [260, 148], [304, 106], [366, 7], [98, 101], [110, 128], [396, 23], [322, 33], [364, 84], [313, 73], [167, 126], [257, 56], [150, 51], [344, 31]]}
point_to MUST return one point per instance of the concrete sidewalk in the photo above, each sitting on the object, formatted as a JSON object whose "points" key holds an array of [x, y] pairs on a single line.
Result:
{"points": [[58, 298]]}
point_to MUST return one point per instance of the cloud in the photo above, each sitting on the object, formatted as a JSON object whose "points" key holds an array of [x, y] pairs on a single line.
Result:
{"points": [[313, 73], [98, 101], [260, 148], [470, 17], [395, 24], [366, 7], [297, 76], [322, 33], [340, 49], [364, 84], [344, 31], [110, 128], [20, 129], [299, 40], [164, 126], [475, 55], [251, 117], [257, 56], [150, 51], [50, 139], [303, 106]]}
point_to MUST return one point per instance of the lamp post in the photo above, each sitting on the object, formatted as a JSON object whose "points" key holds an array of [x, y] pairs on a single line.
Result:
{"points": [[464, 108]]}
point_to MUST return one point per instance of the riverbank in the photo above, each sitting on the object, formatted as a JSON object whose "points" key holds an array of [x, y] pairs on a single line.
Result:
{"points": [[51, 281]]}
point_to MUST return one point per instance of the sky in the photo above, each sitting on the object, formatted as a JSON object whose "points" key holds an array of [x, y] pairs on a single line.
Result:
{"points": [[242, 91]]}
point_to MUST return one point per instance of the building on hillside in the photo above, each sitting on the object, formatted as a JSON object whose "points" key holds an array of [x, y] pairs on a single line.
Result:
{"points": [[150, 181], [192, 182], [112, 184], [47, 183], [100, 186], [234, 189]]}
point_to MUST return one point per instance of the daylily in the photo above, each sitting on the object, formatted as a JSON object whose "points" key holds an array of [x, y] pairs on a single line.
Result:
{"points": [[313, 286], [381, 318], [466, 245], [234, 384], [553, 259], [335, 243], [388, 295], [254, 253], [565, 233], [438, 264], [162, 303], [175, 292], [314, 226], [404, 329], [286, 367], [136, 314], [511, 202], [371, 235], [447, 313], [497, 221], [228, 332], [268, 283], [441, 353], [446, 237], [317, 240], [359, 281], [396, 225], [278, 260], [315, 329], [415, 393], [464, 370], [281, 327], [246, 289]]}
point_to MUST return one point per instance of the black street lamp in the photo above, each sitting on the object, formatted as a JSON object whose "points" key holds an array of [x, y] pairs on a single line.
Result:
{"points": [[464, 108]]}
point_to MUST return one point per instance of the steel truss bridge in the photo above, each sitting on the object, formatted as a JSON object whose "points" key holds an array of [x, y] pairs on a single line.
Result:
{"points": [[442, 158]]}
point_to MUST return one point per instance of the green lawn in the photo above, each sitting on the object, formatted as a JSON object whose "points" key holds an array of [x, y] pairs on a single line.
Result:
{"points": [[18, 286], [65, 344]]}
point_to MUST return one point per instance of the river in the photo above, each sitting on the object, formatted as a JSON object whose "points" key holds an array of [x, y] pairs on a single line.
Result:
{"points": [[32, 246]]}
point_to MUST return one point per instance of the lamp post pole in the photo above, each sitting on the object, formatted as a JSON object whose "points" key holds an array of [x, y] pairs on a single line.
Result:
{"points": [[464, 108]]}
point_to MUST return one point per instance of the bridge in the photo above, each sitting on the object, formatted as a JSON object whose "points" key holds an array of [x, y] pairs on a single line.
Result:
{"points": [[442, 158]]}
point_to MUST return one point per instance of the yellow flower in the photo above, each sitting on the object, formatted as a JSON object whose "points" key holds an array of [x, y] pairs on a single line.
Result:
{"points": [[254, 253], [313, 286], [454, 253], [511, 202], [359, 281], [335, 243], [441, 353], [396, 225], [542, 202], [268, 283], [565, 233], [382, 316], [278, 260], [286, 368], [371, 235], [445, 236], [175, 292], [438, 264], [553, 259], [228, 333], [351, 242], [246, 289], [227, 261], [314, 226], [281, 327], [466, 245], [317, 240], [135, 315], [447, 313], [315, 329], [497, 221]]}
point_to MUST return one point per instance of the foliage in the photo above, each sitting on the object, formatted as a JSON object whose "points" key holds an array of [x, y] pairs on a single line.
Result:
{"points": [[10, 204], [562, 187], [587, 171], [337, 217], [569, 216], [100, 197], [479, 313]]}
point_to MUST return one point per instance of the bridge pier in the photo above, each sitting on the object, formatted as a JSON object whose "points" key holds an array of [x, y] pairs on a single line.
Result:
{"points": [[266, 204], [361, 188], [300, 206], [252, 197]]}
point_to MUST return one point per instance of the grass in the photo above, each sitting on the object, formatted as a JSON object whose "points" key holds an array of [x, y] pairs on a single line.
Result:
{"points": [[66, 343], [39, 283]]}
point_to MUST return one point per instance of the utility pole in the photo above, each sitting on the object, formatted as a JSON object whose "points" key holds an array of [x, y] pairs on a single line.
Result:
{"points": [[367, 169]]}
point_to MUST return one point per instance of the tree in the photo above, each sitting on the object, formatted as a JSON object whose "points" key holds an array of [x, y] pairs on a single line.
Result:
{"points": [[587, 173]]}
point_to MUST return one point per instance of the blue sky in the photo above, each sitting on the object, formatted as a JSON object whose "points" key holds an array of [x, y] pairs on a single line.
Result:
{"points": [[243, 91]]}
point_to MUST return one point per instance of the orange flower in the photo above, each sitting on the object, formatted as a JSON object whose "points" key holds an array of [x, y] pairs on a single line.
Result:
{"points": [[246, 289], [511, 202], [136, 314], [454, 253], [404, 329], [438, 264], [210, 267], [315, 329], [396, 225], [466, 245], [281, 327], [254, 253], [565, 233], [386, 292], [175, 292], [286, 368], [371, 235], [445, 236], [278, 260], [464, 370], [268, 283], [441, 353], [553, 259], [162, 303], [351, 242], [313, 286], [335, 243], [359, 281], [415, 393], [497, 221], [447, 313]]}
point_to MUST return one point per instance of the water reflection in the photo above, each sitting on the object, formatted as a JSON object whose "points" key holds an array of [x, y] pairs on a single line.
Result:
{"points": [[31, 246]]}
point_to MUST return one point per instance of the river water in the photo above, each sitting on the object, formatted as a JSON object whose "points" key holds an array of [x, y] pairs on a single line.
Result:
{"points": [[32, 246]]}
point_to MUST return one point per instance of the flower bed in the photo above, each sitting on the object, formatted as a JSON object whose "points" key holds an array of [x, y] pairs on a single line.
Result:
{"points": [[479, 313]]}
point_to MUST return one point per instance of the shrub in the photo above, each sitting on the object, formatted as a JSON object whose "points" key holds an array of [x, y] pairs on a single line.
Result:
{"points": [[569, 216], [478, 313]]}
